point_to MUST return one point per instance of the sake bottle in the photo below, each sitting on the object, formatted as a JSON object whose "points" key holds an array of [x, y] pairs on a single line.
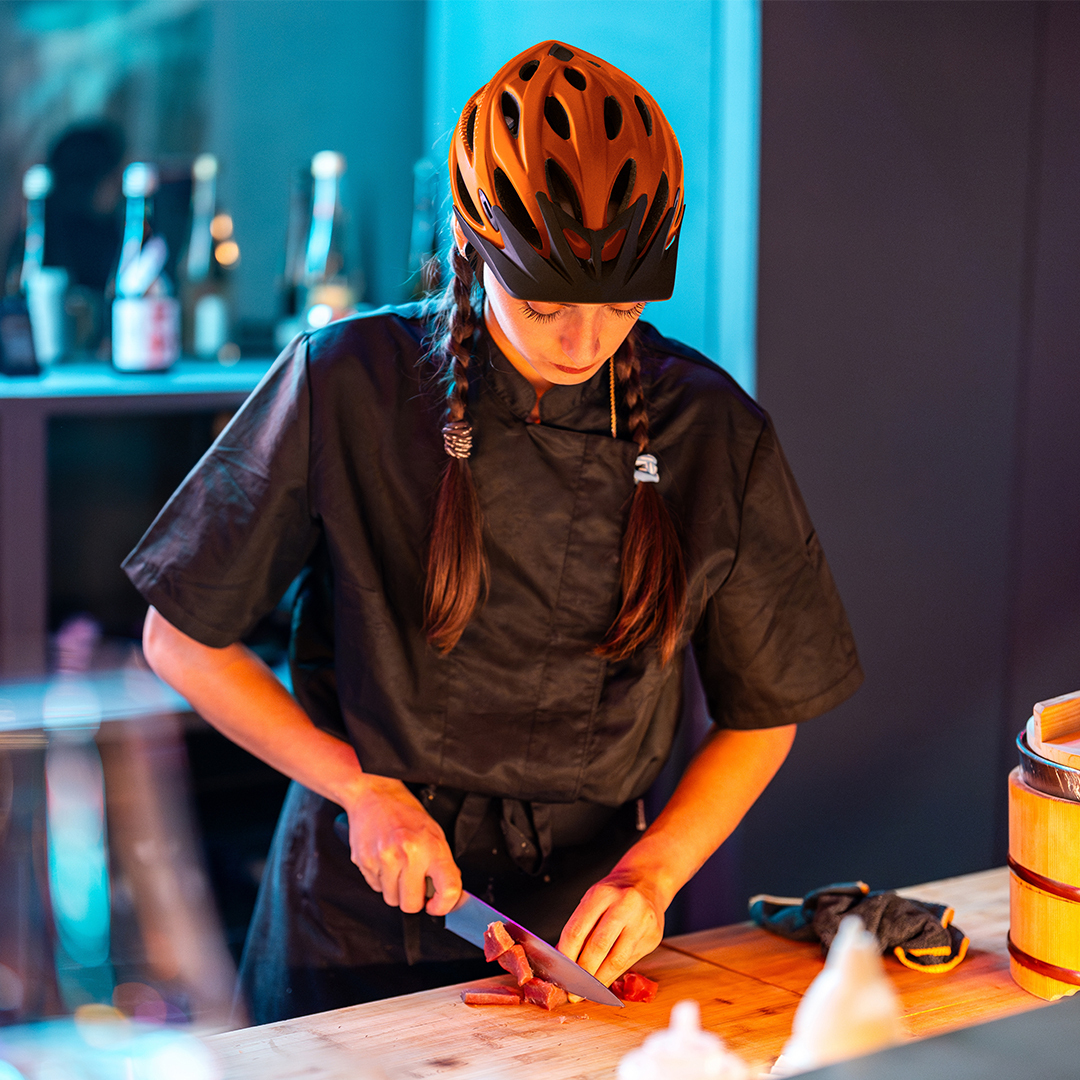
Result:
{"points": [[212, 252], [45, 287], [328, 291], [145, 311]]}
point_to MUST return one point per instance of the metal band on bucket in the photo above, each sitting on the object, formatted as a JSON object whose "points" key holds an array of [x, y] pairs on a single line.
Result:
{"points": [[1041, 967], [1047, 885]]}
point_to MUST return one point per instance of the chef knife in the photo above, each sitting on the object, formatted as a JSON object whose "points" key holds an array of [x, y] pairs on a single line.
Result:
{"points": [[470, 918]]}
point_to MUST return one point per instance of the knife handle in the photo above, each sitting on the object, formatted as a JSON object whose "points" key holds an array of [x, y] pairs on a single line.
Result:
{"points": [[341, 828]]}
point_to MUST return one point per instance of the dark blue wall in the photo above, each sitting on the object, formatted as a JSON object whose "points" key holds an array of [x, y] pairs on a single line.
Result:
{"points": [[919, 263]]}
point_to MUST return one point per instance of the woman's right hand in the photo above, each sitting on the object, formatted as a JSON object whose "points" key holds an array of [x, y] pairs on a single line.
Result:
{"points": [[396, 844]]}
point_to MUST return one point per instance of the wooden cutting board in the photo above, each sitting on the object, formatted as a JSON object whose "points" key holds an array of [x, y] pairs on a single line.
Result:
{"points": [[434, 1034], [747, 982]]}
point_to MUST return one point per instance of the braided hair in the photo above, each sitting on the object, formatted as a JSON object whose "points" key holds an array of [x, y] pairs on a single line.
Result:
{"points": [[456, 565], [652, 574]]}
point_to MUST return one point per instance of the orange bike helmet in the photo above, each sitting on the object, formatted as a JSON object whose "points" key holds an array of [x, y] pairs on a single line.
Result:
{"points": [[567, 179]]}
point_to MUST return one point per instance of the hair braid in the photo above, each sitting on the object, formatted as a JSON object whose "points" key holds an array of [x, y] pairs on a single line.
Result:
{"points": [[652, 574], [456, 567]]}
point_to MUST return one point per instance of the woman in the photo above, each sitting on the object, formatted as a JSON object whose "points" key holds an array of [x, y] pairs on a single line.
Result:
{"points": [[506, 540]]}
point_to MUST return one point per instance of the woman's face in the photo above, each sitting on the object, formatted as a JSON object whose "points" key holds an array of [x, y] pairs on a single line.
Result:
{"points": [[558, 343]]}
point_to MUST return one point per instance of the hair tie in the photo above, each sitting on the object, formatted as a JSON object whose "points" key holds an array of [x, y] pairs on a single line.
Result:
{"points": [[645, 470], [457, 438]]}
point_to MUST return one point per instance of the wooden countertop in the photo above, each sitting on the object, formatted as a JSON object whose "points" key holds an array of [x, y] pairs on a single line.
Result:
{"points": [[747, 981]]}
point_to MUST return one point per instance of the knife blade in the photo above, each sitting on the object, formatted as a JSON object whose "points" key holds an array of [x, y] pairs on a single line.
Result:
{"points": [[470, 918]]}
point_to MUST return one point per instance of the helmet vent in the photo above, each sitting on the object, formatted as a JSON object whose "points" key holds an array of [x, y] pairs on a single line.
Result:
{"points": [[465, 199], [556, 117], [612, 117], [656, 212], [646, 116], [470, 130], [511, 112], [560, 52], [487, 209], [529, 70], [514, 209], [575, 78], [619, 198], [561, 190]]}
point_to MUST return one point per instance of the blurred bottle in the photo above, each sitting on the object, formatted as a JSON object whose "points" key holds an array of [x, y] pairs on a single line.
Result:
{"points": [[326, 276], [145, 313], [212, 252], [423, 261], [43, 286], [292, 284]]}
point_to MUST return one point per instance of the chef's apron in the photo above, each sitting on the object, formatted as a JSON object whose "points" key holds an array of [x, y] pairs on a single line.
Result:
{"points": [[321, 938]]}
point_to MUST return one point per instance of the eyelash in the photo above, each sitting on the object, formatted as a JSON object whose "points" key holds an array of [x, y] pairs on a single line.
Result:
{"points": [[538, 316], [532, 313]]}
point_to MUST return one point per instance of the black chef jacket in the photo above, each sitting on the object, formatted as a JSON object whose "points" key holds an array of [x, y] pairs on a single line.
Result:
{"points": [[329, 471]]}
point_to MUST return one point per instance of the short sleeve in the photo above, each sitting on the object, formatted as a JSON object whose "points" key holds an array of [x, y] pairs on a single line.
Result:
{"points": [[774, 646], [239, 528]]}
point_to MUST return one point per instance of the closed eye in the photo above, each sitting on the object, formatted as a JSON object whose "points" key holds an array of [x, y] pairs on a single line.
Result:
{"points": [[630, 313], [531, 313]]}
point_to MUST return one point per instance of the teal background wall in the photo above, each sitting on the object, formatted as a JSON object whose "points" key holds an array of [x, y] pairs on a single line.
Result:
{"points": [[700, 59], [265, 84], [288, 79]]}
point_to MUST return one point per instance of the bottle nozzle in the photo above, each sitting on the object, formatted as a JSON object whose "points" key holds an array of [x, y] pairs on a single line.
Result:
{"points": [[205, 167], [140, 179], [37, 182], [327, 164]]}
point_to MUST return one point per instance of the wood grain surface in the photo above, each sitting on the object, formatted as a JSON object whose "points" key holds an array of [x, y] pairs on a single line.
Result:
{"points": [[1045, 924], [748, 983]]}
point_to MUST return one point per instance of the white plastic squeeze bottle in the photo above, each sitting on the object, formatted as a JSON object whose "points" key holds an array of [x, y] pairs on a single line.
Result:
{"points": [[683, 1052]]}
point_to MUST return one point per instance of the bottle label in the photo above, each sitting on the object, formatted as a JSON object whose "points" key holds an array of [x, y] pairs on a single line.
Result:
{"points": [[146, 333]]}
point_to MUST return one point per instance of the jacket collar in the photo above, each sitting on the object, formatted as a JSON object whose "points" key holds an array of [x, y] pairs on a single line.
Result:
{"points": [[574, 406]]}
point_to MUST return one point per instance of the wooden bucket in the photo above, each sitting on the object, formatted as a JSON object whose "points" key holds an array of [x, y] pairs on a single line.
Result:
{"points": [[1044, 891]]}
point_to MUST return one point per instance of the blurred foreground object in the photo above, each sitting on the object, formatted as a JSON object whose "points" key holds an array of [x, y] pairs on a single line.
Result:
{"points": [[145, 313], [110, 905], [101, 1044], [683, 1052], [850, 1009]]}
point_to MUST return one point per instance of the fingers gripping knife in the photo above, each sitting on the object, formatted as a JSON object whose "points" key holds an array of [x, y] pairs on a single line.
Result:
{"points": [[470, 919]]}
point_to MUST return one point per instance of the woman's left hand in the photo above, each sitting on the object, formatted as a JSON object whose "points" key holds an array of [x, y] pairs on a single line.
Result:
{"points": [[619, 920]]}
